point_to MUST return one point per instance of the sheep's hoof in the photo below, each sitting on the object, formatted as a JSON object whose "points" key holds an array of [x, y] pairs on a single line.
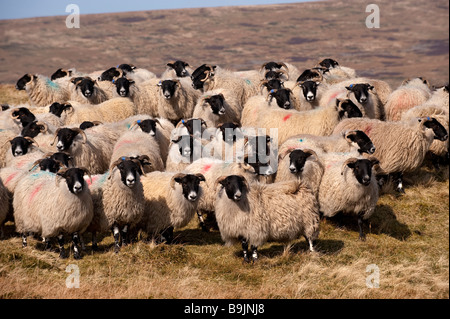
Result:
{"points": [[116, 249], [62, 254], [362, 237], [94, 247], [76, 255], [246, 260], [400, 190], [255, 260]]}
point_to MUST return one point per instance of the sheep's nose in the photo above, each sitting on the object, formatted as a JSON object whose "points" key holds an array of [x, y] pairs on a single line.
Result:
{"points": [[287, 105], [292, 169], [130, 181], [366, 180], [77, 188], [192, 196], [363, 100], [18, 153], [372, 150], [445, 137], [60, 147]]}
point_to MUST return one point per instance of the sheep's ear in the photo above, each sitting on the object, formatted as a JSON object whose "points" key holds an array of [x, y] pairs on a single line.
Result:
{"points": [[34, 77], [220, 181], [201, 178], [349, 87], [170, 65], [159, 83], [177, 178], [374, 161]]}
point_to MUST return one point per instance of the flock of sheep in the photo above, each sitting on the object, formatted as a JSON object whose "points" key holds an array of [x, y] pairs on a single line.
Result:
{"points": [[263, 153]]}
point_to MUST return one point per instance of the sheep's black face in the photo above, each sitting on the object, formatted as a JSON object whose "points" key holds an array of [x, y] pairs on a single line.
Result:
{"points": [[190, 185], [307, 75], [87, 87], [198, 77], [185, 145], [22, 82], [129, 172], [168, 88], [180, 68], [258, 152], [49, 165], [20, 146], [217, 104], [24, 115], [123, 86], [349, 108], [361, 91], [309, 90], [63, 158], [74, 179], [440, 133], [60, 73], [283, 98], [65, 139], [235, 187], [272, 66], [328, 63], [57, 108], [109, 74], [274, 84], [5, 107], [148, 126], [32, 130], [273, 75], [228, 132], [446, 88], [362, 170], [86, 124], [297, 160], [127, 68], [364, 142]]}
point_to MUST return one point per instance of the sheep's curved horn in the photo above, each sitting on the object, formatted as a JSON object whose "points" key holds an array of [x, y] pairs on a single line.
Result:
{"points": [[285, 73], [208, 73], [36, 163], [81, 132], [262, 85], [31, 140], [134, 124], [11, 114], [263, 66], [158, 122], [8, 141], [349, 133], [56, 136], [45, 126], [310, 151], [201, 177], [283, 154], [283, 64], [218, 181], [172, 181], [348, 161], [117, 162], [269, 95], [97, 123]]}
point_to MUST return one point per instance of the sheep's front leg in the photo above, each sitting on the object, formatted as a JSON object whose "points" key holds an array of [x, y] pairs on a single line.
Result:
{"points": [[254, 253], [24, 240], [62, 253], [124, 235], [167, 235], [362, 236], [116, 235], [311, 244], [244, 244], [201, 221], [75, 243], [398, 179]]}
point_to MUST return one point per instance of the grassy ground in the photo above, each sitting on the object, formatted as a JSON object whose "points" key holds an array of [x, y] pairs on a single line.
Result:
{"points": [[408, 242]]}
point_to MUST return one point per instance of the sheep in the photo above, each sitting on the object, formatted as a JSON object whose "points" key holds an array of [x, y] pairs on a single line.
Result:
{"points": [[255, 213], [411, 93], [161, 133], [400, 147], [135, 143], [207, 78], [5, 137], [139, 75], [176, 99], [301, 164], [4, 207], [227, 143], [335, 72], [320, 121], [109, 111], [212, 169], [440, 97], [88, 150], [217, 107], [143, 95], [118, 199], [171, 200], [292, 71], [177, 69], [346, 141], [23, 149], [86, 91], [46, 205], [348, 185], [363, 94], [308, 94], [41, 90]]}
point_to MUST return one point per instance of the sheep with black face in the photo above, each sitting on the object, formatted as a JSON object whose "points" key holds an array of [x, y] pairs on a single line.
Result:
{"points": [[177, 69], [255, 213], [41, 90], [53, 205]]}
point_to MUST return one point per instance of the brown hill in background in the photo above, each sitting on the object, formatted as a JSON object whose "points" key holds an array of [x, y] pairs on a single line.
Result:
{"points": [[413, 39]]}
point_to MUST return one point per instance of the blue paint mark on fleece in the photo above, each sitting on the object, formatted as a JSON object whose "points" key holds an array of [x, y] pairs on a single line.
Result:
{"points": [[52, 84]]}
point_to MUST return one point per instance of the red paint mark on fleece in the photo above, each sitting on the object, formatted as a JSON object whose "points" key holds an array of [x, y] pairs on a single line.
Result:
{"points": [[286, 117], [35, 191], [333, 96], [10, 178], [368, 129], [90, 182], [119, 144], [206, 168]]}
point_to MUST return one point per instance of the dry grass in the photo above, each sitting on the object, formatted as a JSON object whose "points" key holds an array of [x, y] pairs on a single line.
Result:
{"points": [[409, 242]]}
